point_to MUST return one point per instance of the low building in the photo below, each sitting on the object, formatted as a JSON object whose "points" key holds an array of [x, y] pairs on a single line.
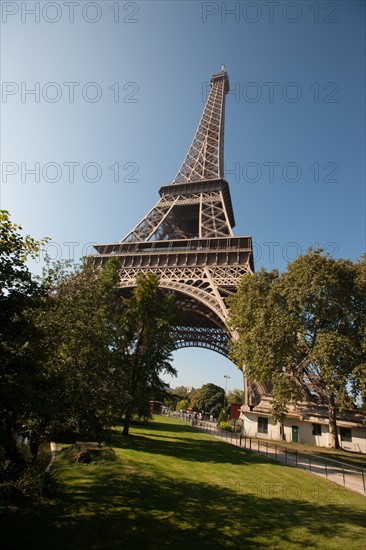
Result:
{"points": [[155, 407], [234, 411], [305, 423]]}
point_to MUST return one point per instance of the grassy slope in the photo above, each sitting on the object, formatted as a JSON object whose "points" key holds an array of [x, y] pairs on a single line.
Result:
{"points": [[174, 487]]}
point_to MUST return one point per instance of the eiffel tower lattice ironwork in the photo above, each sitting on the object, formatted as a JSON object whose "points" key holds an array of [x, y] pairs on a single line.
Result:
{"points": [[187, 239]]}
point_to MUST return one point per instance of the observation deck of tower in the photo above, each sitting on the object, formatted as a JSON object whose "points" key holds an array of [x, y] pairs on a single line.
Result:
{"points": [[187, 238]]}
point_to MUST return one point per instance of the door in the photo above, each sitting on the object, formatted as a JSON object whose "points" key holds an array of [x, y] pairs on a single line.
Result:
{"points": [[295, 434]]}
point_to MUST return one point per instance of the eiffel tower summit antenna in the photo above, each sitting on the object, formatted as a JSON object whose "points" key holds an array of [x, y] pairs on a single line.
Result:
{"points": [[187, 238]]}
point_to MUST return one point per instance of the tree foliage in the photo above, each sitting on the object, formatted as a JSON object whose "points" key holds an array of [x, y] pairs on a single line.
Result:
{"points": [[106, 351], [183, 404], [359, 374], [235, 397], [177, 394], [302, 331], [146, 345], [183, 391], [79, 325], [74, 354], [21, 353], [209, 399]]}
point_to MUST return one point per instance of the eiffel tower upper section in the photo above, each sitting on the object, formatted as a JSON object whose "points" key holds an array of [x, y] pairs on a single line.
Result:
{"points": [[197, 204], [205, 158], [187, 238]]}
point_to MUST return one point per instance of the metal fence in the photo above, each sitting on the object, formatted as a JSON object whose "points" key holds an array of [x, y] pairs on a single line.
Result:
{"points": [[342, 473]]}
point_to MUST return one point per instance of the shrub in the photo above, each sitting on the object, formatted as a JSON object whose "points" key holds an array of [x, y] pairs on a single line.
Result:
{"points": [[229, 427], [89, 452], [30, 484], [225, 425]]}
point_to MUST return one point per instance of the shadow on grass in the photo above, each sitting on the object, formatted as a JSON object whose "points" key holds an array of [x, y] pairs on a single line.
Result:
{"points": [[125, 511], [174, 426], [118, 506], [194, 450], [350, 458], [202, 449]]}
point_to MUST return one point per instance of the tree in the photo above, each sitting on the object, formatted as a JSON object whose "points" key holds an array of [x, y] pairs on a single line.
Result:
{"points": [[183, 391], [146, 344], [73, 353], [359, 374], [209, 398], [106, 352], [183, 404], [301, 332], [22, 389], [177, 394], [264, 331], [235, 397], [79, 325]]}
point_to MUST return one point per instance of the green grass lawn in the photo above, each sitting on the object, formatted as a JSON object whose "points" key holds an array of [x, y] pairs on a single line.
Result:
{"points": [[174, 487]]}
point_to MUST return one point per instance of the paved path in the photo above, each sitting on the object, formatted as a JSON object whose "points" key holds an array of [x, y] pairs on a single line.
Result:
{"points": [[339, 472]]}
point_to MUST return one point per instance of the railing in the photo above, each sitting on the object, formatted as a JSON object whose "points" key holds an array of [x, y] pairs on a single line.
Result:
{"points": [[342, 473]]}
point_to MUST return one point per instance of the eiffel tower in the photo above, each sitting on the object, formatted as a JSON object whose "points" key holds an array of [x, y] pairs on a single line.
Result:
{"points": [[187, 238]]}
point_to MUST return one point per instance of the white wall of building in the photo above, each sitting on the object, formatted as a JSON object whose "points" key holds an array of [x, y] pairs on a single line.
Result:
{"points": [[305, 432]]}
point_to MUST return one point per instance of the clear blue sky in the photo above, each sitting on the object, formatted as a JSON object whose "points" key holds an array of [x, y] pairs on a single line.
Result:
{"points": [[294, 134]]}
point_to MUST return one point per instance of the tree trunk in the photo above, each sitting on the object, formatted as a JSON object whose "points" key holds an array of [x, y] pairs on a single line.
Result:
{"points": [[332, 414], [34, 449], [283, 428], [127, 422], [132, 392], [12, 453]]}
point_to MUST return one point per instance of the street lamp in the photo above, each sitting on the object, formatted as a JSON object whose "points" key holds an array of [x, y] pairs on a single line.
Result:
{"points": [[226, 379]]}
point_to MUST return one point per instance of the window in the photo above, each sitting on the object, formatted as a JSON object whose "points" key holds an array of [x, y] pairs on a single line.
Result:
{"points": [[346, 434], [262, 425], [317, 429]]}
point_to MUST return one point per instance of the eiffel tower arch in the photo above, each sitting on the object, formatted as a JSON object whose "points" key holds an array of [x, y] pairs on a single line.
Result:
{"points": [[187, 238]]}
